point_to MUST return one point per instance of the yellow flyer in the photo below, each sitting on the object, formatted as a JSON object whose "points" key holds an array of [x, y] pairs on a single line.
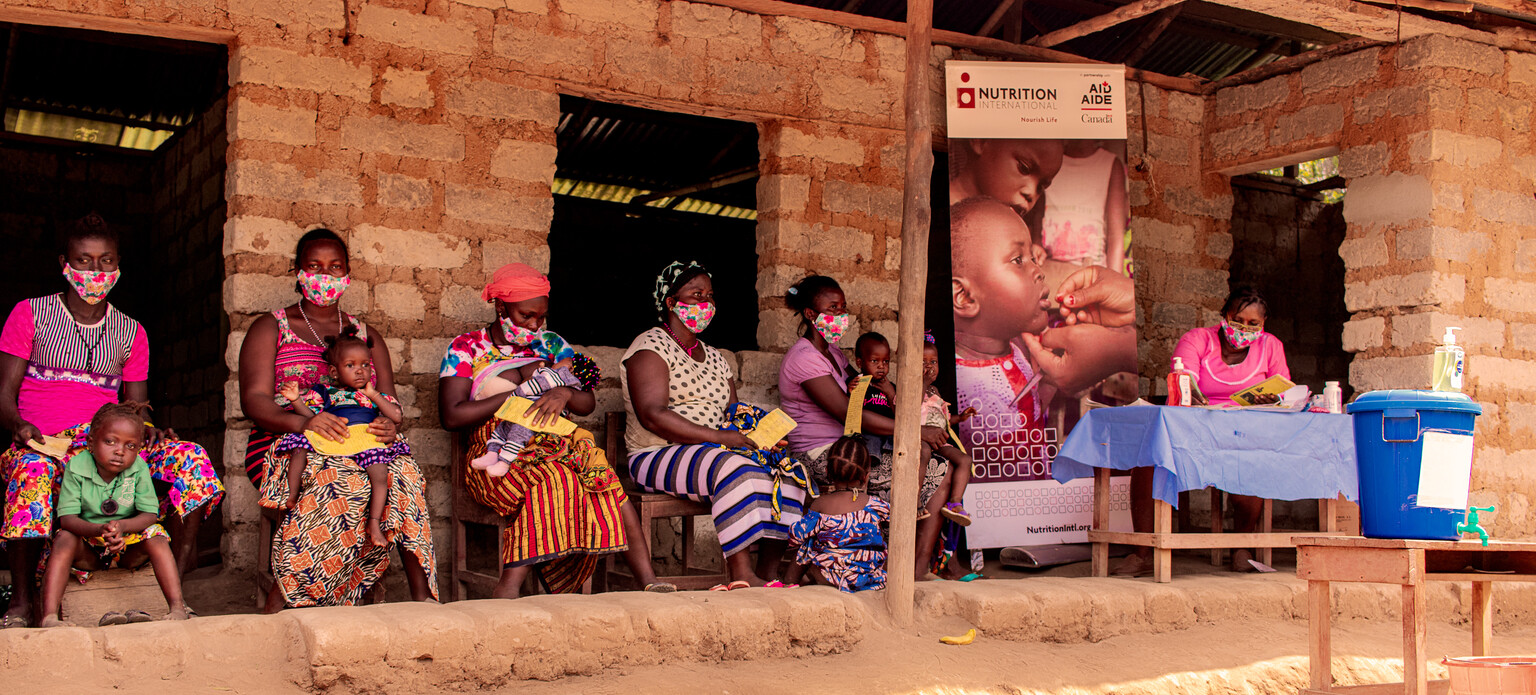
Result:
{"points": [[771, 429], [513, 411], [854, 422], [1274, 385]]}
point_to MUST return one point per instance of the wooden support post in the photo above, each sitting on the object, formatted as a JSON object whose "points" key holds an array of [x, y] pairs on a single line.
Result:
{"points": [[1415, 674], [1162, 558], [1328, 516], [1320, 621], [1266, 555], [1482, 618], [1101, 521], [915, 213], [1216, 514]]}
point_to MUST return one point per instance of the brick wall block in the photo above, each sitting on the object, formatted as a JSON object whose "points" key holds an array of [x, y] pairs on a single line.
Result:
{"points": [[1377, 373], [1364, 160], [1317, 121], [248, 234], [1170, 150], [389, 136], [465, 304], [1453, 148], [777, 329], [1191, 202], [639, 14], [1218, 245], [748, 78], [836, 150], [1440, 242], [321, 14], [1253, 97], [400, 301], [1186, 107], [248, 293], [1393, 198], [404, 192], [415, 30], [522, 46], [639, 63], [795, 38], [524, 161], [700, 21], [1426, 328], [505, 102], [409, 248], [1344, 71], [1525, 256], [495, 254], [1503, 206], [816, 238], [289, 126], [284, 182], [1522, 67], [357, 300], [892, 253], [1364, 253], [877, 201], [782, 193], [1406, 100], [496, 207], [1415, 289], [1440, 51], [847, 93], [1500, 372], [1157, 234], [1515, 296], [864, 291], [775, 280], [408, 88], [760, 367], [1363, 334], [427, 354], [279, 68]]}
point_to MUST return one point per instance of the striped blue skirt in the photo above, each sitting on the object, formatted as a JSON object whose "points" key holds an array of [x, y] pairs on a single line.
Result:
{"points": [[739, 491]]}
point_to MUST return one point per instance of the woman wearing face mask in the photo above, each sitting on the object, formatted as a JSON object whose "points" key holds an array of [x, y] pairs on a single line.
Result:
{"points": [[680, 395], [563, 503], [62, 357], [1224, 359], [813, 390], [288, 346]]}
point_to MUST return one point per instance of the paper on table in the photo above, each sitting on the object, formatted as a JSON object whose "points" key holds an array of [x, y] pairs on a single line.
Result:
{"points": [[771, 429], [1445, 471], [513, 411]]}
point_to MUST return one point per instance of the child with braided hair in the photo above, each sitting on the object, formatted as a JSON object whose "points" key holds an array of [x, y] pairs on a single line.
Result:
{"points": [[839, 540]]}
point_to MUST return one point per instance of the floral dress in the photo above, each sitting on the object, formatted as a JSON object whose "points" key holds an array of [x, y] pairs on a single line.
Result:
{"points": [[848, 549]]}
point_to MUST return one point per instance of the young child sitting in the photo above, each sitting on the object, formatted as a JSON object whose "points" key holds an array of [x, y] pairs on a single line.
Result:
{"points": [[839, 540], [532, 380], [936, 414], [356, 400], [107, 510], [872, 355], [997, 294]]}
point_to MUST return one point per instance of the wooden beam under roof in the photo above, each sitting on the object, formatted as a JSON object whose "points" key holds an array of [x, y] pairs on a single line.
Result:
{"points": [[1003, 9], [1193, 22], [1353, 18], [1292, 64], [1121, 15], [1142, 42]]}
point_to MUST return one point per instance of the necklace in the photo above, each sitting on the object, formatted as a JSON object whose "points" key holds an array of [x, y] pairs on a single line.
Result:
{"points": [[312, 330], [689, 349], [90, 347]]}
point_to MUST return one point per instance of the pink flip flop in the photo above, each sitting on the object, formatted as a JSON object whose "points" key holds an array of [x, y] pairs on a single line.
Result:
{"points": [[776, 584]]}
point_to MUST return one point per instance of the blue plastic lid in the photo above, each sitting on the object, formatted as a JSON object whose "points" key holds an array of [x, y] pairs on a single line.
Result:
{"points": [[1414, 400]]}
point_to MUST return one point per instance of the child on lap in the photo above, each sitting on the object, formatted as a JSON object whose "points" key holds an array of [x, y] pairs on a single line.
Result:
{"points": [[839, 540], [356, 400], [107, 514], [529, 381]]}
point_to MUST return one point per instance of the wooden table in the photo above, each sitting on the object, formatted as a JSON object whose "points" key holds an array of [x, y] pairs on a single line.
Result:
{"points": [[1322, 560], [1164, 541]]}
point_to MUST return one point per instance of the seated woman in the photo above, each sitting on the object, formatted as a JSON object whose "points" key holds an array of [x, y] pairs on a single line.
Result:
{"points": [[563, 502], [286, 348], [679, 394], [813, 391], [63, 357], [1224, 359]]}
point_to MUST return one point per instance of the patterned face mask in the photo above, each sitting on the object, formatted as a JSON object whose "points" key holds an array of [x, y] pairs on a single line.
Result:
{"points": [[695, 317], [91, 285], [517, 335], [1238, 337], [323, 289], [832, 327]]}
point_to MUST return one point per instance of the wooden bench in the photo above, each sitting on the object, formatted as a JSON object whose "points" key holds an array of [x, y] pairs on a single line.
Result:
{"points": [[651, 506]]}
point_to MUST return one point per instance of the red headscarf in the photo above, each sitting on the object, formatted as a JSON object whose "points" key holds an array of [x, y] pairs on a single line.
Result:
{"points": [[515, 282]]}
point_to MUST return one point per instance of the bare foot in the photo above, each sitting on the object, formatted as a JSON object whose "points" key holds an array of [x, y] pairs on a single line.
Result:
{"points": [[51, 621], [376, 534], [177, 613]]}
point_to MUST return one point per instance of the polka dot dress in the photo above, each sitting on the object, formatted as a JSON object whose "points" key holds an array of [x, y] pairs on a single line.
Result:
{"points": [[698, 391]]}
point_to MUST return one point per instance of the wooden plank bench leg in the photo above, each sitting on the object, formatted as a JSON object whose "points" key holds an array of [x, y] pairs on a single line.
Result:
{"points": [[1101, 520], [1216, 514], [1162, 558], [1267, 525], [1320, 636], [1482, 618], [1415, 674]]}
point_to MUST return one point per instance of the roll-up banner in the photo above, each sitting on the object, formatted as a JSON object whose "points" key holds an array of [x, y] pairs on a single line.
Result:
{"points": [[1037, 191]]}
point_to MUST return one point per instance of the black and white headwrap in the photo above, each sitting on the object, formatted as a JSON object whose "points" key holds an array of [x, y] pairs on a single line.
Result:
{"points": [[665, 282]]}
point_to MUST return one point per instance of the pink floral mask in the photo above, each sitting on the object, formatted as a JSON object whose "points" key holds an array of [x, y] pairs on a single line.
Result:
{"points": [[323, 289], [91, 285], [695, 317], [517, 335], [832, 327], [1239, 338]]}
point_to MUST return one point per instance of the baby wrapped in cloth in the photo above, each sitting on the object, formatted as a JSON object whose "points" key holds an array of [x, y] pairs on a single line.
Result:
{"points": [[565, 367]]}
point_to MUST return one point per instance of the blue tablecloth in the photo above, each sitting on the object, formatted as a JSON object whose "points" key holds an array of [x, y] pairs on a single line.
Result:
{"points": [[1274, 455]]}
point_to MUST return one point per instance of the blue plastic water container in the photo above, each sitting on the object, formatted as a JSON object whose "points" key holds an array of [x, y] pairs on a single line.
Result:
{"points": [[1389, 431]]}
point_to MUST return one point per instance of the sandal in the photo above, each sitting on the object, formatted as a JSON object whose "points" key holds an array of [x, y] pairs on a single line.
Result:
{"points": [[776, 584], [1132, 566], [661, 587], [138, 617], [112, 618], [11, 621], [955, 511], [738, 584], [922, 514]]}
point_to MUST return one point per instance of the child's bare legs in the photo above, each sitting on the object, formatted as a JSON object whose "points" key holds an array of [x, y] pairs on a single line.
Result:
{"points": [[511, 583], [297, 460], [770, 557], [183, 530], [68, 549], [928, 529], [164, 562], [378, 492], [22, 556], [960, 476], [415, 575], [924, 454], [638, 555]]}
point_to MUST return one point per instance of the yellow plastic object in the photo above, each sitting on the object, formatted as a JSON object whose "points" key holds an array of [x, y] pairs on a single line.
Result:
{"points": [[513, 411], [55, 447], [967, 638], [771, 429], [854, 422], [358, 441]]}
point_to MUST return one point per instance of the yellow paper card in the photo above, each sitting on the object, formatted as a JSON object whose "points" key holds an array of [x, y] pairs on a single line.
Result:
{"points": [[55, 447], [359, 439], [1275, 385], [854, 422], [512, 411], [771, 429]]}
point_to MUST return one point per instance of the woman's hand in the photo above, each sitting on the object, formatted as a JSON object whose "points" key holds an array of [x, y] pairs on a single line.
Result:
{"points": [[27, 432], [154, 435], [732, 439], [935, 437], [1266, 399], [330, 426], [1098, 295], [1089, 354], [546, 410]]}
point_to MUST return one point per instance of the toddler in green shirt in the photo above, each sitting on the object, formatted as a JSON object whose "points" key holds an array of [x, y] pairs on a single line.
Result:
{"points": [[107, 513]]}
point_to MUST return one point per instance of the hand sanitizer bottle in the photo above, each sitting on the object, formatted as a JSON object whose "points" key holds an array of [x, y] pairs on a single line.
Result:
{"points": [[1180, 389], [1450, 362]]}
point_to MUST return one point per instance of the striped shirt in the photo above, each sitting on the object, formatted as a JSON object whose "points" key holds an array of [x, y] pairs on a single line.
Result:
{"points": [[72, 369]]}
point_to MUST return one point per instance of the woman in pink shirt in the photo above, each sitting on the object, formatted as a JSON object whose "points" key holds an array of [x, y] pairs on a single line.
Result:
{"points": [[62, 357]]}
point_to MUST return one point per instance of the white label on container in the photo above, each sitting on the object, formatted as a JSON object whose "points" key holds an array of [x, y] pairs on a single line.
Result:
{"points": [[1445, 471]]}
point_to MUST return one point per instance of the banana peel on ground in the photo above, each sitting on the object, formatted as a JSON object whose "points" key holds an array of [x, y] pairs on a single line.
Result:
{"points": [[967, 638]]}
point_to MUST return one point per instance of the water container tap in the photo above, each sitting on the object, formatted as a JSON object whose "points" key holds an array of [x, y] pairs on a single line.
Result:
{"points": [[1472, 525]]}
